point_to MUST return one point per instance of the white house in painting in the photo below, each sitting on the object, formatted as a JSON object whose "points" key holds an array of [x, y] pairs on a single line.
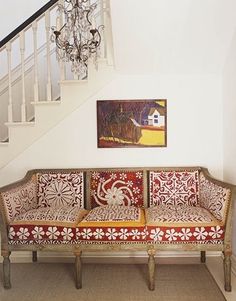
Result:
{"points": [[155, 118]]}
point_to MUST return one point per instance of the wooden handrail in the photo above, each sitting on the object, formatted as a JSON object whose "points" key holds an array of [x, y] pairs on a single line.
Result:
{"points": [[38, 13]]}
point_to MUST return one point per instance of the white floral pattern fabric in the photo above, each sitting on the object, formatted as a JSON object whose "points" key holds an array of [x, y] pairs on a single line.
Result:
{"points": [[111, 234], [46, 234], [20, 199], [177, 234], [29, 234], [60, 189]]}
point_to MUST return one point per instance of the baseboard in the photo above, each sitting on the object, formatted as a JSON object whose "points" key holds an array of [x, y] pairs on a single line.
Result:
{"points": [[134, 257]]}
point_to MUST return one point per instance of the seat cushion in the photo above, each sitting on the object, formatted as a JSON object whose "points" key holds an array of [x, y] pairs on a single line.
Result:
{"points": [[113, 223], [188, 224], [46, 224], [114, 215]]}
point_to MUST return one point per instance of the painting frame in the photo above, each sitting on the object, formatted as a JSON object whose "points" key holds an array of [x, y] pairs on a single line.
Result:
{"points": [[132, 123]]}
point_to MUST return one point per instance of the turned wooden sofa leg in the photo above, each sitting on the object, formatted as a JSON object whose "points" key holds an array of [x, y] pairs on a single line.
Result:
{"points": [[227, 272], [34, 256], [151, 269], [6, 270], [78, 270], [203, 256]]}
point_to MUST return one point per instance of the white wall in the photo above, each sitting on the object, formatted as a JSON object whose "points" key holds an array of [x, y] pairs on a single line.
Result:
{"points": [[194, 122], [229, 123], [170, 36], [10, 16]]}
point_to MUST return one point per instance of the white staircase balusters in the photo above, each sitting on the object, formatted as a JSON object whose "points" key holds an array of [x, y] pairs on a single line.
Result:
{"points": [[22, 52], [49, 82], [103, 18], [36, 80], [108, 41], [62, 71], [10, 109]]}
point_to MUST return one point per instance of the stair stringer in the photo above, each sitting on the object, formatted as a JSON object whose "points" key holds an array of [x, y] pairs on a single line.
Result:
{"points": [[49, 114]]}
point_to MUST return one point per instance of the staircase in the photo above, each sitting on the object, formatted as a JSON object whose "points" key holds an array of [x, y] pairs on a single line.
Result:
{"points": [[34, 87]]}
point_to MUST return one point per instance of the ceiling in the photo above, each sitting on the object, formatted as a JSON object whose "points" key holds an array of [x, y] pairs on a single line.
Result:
{"points": [[172, 36]]}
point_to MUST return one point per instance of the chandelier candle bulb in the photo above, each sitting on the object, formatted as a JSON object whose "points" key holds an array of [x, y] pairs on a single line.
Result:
{"points": [[58, 24]]}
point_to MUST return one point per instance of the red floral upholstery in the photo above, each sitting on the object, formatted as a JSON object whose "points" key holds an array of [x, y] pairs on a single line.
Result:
{"points": [[43, 234], [96, 235], [173, 187], [48, 208], [60, 189], [185, 224], [46, 225], [116, 188], [113, 224]]}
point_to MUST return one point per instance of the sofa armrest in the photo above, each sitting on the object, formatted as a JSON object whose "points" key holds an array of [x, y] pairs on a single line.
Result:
{"points": [[215, 196], [18, 198]]}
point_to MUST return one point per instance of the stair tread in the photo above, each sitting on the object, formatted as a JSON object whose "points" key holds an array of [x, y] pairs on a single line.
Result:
{"points": [[4, 143], [74, 81], [29, 123], [46, 102]]}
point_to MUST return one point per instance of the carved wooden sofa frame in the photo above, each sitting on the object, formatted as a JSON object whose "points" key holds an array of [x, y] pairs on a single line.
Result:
{"points": [[162, 193]]}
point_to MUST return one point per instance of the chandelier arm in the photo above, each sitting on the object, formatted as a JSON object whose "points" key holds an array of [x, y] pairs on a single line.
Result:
{"points": [[88, 12]]}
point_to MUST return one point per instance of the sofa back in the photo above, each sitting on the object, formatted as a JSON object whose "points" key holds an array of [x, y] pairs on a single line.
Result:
{"points": [[124, 187], [118, 186], [60, 188], [174, 186]]}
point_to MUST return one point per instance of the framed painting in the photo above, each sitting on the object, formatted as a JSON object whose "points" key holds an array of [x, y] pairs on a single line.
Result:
{"points": [[132, 123]]}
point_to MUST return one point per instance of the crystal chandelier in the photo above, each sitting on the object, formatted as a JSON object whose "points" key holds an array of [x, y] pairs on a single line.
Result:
{"points": [[79, 38]]}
